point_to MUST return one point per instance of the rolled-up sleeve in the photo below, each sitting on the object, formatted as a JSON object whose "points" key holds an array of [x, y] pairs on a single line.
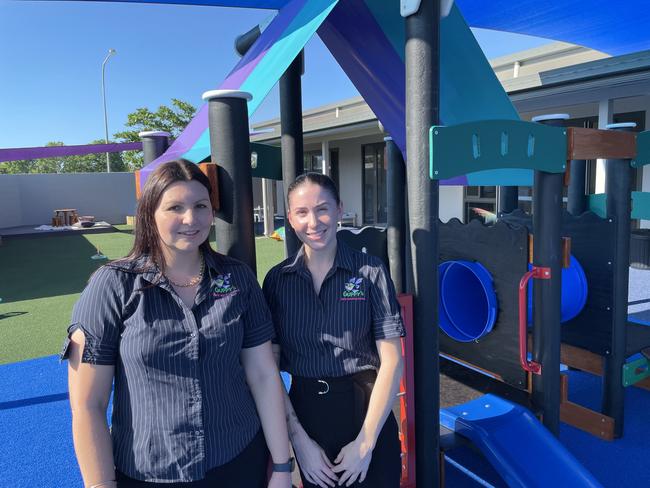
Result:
{"points": [[385, 309], [258, 326], [98, 313]]}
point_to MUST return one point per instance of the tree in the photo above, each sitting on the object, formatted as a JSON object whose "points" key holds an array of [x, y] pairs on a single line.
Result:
{"points": [[170, 119]]}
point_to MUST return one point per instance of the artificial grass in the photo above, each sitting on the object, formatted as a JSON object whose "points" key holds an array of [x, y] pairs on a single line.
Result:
{"points": [[41, 279]]}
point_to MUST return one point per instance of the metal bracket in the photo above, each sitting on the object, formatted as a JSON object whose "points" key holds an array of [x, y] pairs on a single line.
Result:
{"points": [[636, 371]]}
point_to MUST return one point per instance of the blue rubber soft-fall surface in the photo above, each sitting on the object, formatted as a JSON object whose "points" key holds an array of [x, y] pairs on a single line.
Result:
{"points": [[519, 447]]}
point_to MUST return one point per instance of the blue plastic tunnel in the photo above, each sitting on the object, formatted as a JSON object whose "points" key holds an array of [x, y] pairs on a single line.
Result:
{"points": [[574, 291], [468, 303]]}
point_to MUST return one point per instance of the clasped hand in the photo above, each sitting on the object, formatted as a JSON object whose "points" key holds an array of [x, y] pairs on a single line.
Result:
{"points": [[350, 465]]}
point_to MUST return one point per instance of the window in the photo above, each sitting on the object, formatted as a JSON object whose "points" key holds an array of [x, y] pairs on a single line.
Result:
{"points": [[375, 202], [478, 197], [313, 162]]}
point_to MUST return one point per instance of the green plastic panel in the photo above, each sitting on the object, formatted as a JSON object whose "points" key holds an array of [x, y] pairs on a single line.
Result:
{"points": [[495, 144], [635, 371], [642, 149], [266, 161], [641, 205], [598, 204]]}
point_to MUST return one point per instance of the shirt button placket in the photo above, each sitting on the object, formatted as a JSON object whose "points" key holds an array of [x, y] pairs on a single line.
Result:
{"points": [[195, 426], [322, 318]]}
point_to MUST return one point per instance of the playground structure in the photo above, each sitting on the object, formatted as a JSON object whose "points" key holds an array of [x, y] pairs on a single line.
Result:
{"points": [[470, 92]]}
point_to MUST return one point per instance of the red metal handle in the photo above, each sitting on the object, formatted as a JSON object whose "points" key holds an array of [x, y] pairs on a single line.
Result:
{"points": [[542, 274]]}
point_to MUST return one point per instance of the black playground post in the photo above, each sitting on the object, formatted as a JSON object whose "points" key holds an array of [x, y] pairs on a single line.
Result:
{"points": [[154, 144], [290, 127], [422, 111], [291, 139], [618, 183], [230, 150], [244, 41], [396, 231], [576, 194], [508, 199], [547, 293]]}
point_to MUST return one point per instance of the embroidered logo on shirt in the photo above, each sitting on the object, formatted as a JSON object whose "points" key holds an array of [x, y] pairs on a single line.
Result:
{"points": [[223, 287], [352, 290]]}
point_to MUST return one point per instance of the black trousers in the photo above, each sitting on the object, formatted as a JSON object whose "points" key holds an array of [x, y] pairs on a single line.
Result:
{"points": [[334, 419], [248, 469]]}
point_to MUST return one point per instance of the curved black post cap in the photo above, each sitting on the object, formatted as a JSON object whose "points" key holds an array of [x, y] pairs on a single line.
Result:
{"points": [[244, 41]]}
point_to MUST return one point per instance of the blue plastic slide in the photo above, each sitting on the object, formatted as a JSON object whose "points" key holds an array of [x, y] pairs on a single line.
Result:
{"points": [[517, 445]]}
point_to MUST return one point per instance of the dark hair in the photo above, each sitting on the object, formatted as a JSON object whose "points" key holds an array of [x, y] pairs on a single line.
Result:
{"points": [[319, 179], [147, 239]]}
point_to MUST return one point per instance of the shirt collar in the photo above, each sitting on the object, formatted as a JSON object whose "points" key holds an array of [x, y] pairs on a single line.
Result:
{"points": [[213, 262], [342, 259], [143, 265]]}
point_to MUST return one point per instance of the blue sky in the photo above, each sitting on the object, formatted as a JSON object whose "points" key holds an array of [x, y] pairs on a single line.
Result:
{"points": [[51, 54]]}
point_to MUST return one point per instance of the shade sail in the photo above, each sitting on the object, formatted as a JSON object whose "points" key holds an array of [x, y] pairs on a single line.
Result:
{"points": [[367, 39], [256, 73], [605, 25], [268, 4], [25, 153]]}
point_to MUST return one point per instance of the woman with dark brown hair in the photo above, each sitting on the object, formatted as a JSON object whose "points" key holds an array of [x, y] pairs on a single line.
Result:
{"points": [[184, 333]]}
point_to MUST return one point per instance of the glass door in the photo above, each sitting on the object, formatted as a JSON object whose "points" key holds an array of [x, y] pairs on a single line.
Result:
{"points": [[375, 203]]}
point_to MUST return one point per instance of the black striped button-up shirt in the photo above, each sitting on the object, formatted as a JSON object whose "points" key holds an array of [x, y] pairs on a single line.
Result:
{"points": [[332, 333], [181, 404]]}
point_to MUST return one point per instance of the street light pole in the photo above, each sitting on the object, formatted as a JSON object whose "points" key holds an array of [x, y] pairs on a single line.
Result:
{"points": [[110, 53]]}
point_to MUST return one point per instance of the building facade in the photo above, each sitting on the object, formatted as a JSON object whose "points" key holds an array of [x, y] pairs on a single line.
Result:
{"points": [[346, 140]]}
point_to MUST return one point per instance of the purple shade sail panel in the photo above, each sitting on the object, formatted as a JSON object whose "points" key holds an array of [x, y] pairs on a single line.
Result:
{"points": [[26, 153]]}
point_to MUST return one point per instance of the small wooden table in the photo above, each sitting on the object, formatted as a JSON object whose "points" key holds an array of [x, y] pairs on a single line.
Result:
{"points": [[65, 216]]}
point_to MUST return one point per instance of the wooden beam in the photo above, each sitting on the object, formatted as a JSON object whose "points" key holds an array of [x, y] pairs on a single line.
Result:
{"points": [[581, 359], [138, 189], [600, 144], [566, 250], [210, 170], [594, 423], [645, 384]]}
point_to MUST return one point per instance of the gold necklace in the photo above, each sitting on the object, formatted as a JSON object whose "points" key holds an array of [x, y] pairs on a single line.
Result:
{"points": [[192, 282]]}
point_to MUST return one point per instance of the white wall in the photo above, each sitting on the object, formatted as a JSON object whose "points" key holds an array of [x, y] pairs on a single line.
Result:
{"points": [[30, 199], [351, 173], [451, 203]]}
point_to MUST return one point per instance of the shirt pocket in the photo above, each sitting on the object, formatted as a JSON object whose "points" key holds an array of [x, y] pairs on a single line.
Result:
{"points": [[155, 340]]}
